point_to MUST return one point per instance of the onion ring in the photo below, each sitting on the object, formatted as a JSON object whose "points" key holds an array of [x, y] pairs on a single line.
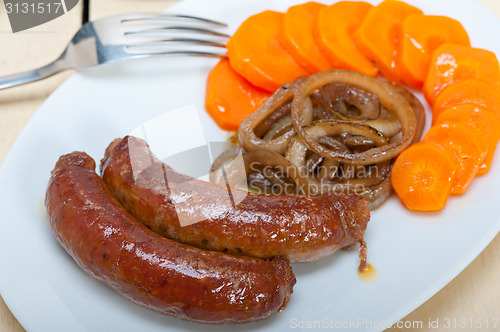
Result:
{"points": [[233, 173], [256, 160], [338, 97], [389, 98], [417, 107], [280, 128], [247, 135]]}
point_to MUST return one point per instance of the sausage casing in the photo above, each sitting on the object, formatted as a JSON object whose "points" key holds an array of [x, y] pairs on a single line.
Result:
{"points": [[150, 270], [300, 228]]}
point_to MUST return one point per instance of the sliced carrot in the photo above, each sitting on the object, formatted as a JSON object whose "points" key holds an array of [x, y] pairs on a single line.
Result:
{"points": [[484, 122], [296, 36], [471, 91], [419, 36], [377, 36], [454, 63], [230, 98], [422, 176], [256, 53], [333, 35], [468, 147]]}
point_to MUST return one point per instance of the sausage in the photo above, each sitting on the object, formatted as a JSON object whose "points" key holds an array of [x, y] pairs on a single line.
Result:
{"points": [[150, 270], [300, 228]]}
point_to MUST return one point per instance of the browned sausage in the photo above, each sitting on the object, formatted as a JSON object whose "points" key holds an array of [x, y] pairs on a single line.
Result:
{"points": [[150, 270], [300, 228]]}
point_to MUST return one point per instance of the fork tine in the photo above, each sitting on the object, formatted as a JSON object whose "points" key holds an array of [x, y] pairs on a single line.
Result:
{"points": [[180, 53], [166, 17], [148, 30], [163, 41]]}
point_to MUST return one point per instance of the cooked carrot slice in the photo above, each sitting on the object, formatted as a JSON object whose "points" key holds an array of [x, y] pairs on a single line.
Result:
{"points": [[377, 36], [484, 122], [230, 98], [454, 63], [296, 36], [422, 176], [419, 36], [466, 144], [256, 53], [333, 34], [471, 91]]}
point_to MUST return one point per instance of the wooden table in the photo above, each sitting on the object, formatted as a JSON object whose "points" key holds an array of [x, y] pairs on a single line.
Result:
{"points": [[475, 293]]}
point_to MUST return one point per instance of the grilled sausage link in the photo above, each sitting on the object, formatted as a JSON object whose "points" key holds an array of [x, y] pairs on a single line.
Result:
{"points": [[150, 270], [300, 228]]}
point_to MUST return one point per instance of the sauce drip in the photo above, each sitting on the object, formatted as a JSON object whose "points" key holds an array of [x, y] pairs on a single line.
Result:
{"points": [[362, 256], [368, 274]]}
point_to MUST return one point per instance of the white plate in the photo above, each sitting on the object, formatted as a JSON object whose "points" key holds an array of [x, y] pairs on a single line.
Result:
{"points": [[415, 254]]}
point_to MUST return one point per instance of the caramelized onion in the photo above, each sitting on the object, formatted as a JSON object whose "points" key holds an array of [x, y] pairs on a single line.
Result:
{"points": [[350, 102], [224, 168], [392, 100], [268, 162], [418, 109], [388, 127], [296, 154], [350, 132], [283, 127], [334, 131], [254, 127]]}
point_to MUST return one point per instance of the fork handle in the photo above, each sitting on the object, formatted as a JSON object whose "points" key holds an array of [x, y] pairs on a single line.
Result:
{"points": [[32, 75]]}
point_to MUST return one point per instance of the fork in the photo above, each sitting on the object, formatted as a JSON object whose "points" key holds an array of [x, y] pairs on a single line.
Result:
{"points": [[126, 36]]}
